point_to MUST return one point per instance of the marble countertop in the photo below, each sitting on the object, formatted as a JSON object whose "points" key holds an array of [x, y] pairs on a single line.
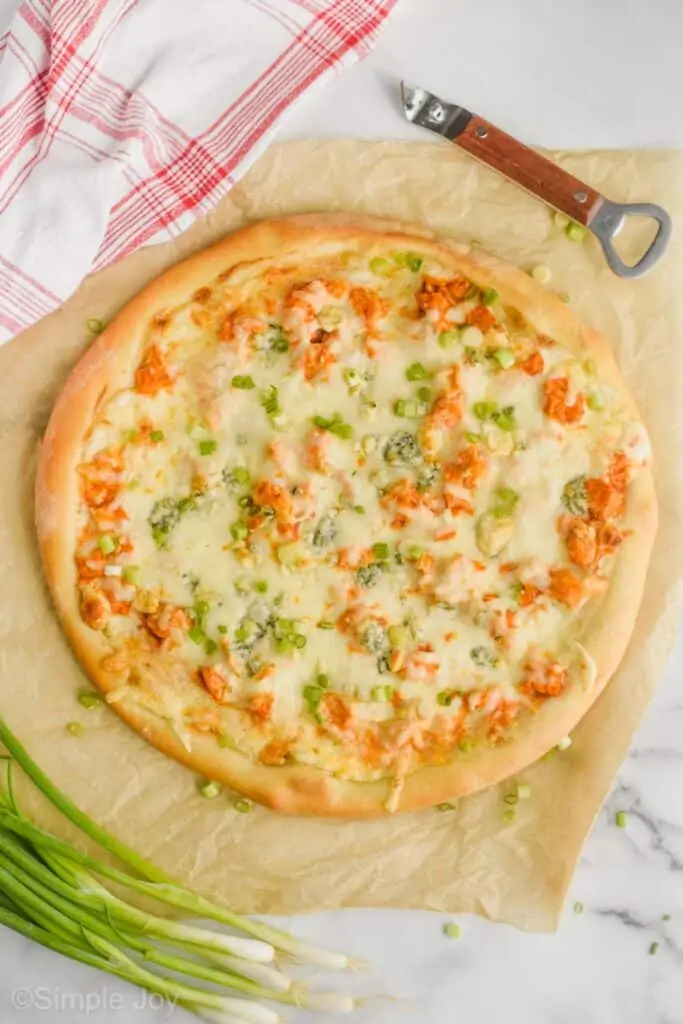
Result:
{"points": [[619, 961]]}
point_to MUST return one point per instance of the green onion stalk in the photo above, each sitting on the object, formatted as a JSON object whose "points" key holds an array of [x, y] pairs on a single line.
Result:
{"points": [[49, 892]]}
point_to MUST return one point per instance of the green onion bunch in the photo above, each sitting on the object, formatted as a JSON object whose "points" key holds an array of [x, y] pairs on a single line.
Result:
{"points": [[52, 892]]}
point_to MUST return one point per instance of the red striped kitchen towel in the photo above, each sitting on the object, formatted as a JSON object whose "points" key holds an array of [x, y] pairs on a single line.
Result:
{"points": [[123, 120]]}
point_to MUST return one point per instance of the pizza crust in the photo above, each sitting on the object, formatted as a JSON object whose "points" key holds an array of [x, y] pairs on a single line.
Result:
{"points": [[298, 788]]}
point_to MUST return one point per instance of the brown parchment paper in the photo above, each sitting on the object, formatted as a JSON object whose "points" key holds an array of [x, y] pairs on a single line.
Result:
{"points": [[464, 860]]}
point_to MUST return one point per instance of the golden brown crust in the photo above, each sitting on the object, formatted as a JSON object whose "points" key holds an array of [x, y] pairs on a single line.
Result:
{"points": [[301, 789]]}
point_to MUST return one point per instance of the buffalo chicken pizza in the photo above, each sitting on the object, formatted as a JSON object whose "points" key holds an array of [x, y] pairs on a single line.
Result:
{"points": [[351, 520]]}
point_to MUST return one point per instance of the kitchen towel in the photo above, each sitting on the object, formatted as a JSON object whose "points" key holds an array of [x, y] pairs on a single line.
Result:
{"points": [[121, 121]]}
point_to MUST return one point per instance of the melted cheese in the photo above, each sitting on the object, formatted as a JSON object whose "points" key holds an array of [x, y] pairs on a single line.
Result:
{"points": [[380, 657]]}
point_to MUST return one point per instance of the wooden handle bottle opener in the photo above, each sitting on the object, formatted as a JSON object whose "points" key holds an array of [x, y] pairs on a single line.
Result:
{"points": [[538, 175]]}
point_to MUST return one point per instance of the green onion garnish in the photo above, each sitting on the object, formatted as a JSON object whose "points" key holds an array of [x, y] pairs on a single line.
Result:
{"points": [[197, 635], [380, 551], [575, 232], [242, 805], [380, 266], [416, 371], [207, 447], [90, 700], [489, 297], [578, 907], [504, 358], [208, 788], [95, 326], [243, 382], [447, 339], [107, 544], [75, 728], [452, 930], [240, 475], [325, 624], [239, 531], [621, 819], [156, 436], [382, 694], [446, 807], [654, 946]]}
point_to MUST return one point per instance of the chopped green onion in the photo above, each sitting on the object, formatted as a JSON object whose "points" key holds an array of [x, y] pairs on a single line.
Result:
{"points": [[416, 371], [424, 394], [666, 917], [523, 791], [504, 358], [508, 816], [621, 819], [90, 700], [242, 805], [323, 680], [575, 232], [156, 435], [489, 297], [447, 339], [400, 407], [578, 907], [95, 326], [541, 273], [300, 641], [197, 635], [75, 728], [412, 409], [589, 367], [106, 543], [452, 930], [270, 401], [445, 698], [561, 219], [565, 743], [563, 296], [359, 510], [325, 624], [210, 645], [208, 788], [414, 262], [473, 438], [465, 746], [222, 629], [261, 586], [239, 531], [207, 447], [380, 551], [485, 410], [445, 806], [397, 635], [380, 266], [240, 475], [511, 798], [505, 419], [595, 401], [131, 573], [243, 381], [383, 694], [413, 552], [654, 946], [506, 502]]}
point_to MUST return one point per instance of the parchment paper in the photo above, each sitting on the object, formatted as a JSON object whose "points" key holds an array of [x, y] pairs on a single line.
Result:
{"points": [[464, 860]]}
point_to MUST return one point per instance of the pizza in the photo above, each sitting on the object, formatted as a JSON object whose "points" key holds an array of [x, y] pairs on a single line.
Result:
{"points": [[348, 518]]}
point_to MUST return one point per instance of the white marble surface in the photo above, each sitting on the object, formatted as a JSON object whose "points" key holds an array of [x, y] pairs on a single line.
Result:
{"points": [[581, 74]]}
